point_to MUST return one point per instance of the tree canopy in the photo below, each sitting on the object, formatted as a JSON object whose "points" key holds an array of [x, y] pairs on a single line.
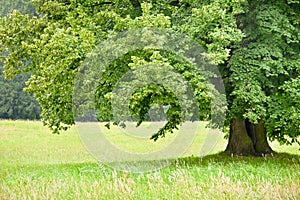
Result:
{"points": [[255, 45]]}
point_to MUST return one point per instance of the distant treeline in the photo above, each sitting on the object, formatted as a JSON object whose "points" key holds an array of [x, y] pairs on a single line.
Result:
{"points": [[14, 103]]}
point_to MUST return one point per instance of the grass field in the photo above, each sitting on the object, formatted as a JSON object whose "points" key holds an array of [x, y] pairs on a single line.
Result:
{"points": [[38, 165]]}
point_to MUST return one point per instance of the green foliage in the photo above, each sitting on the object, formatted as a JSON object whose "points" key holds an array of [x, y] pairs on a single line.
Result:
{"points": [[154, 94], [213, 24], [284, 110]]}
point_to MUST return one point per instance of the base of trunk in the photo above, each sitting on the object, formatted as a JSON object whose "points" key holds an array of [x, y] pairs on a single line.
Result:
{"points": [[247, 139], [258, 135]]}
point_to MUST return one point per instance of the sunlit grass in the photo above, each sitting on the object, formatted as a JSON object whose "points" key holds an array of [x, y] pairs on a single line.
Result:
{"points": [[36, 164]]}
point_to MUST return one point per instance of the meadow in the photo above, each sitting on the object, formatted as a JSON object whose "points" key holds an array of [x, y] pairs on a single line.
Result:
{"points": [[36, 164]]}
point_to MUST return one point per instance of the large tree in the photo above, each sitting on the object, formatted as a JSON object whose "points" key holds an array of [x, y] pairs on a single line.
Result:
{"points": [[255, 45], [263, 82]]}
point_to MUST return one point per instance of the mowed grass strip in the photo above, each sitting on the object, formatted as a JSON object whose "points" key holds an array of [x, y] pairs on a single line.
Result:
{"points": [[36, 164]]}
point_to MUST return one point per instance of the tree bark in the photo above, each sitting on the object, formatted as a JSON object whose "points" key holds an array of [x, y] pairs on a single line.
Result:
{"points": [[239, 141], [258, 135], [247, 139]]}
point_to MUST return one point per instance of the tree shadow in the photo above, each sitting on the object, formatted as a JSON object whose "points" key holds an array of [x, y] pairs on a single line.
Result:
{"points": [[223, 158]]}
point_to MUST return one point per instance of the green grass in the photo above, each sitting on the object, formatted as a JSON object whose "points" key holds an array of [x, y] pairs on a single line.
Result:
{"points": [[38, 165]]}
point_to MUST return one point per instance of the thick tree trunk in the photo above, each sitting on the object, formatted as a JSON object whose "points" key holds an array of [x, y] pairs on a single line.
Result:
{"points": [[239, 141], [258, 135], [247, 139]]}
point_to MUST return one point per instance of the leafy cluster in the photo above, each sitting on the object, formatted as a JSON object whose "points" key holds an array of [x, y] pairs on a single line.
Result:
{"points": [[160, 92]]}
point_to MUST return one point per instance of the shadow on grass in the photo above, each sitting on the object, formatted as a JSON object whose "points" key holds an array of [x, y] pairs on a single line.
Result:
{"points": [[277, 160], [224, 159]]}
